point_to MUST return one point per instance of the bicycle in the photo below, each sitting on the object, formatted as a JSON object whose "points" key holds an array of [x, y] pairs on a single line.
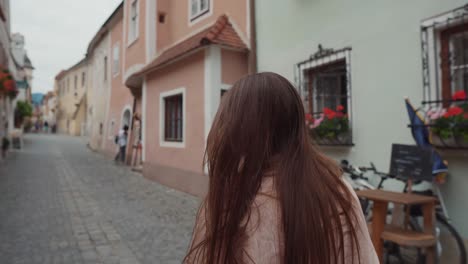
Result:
{"points": [[450, 245]]}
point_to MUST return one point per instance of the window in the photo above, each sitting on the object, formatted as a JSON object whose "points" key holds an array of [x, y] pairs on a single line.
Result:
{"points": [[198, 8], [223, 92], [173, 118], [325, 87], [133, 27], [162, 17], [456, 72], [445, 56], [76, 82], [83, 78], [101, 129], [115, 59], [105, 68], [111, 129]]}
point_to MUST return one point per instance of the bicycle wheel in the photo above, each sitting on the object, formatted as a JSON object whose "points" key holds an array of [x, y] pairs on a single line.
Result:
{"points": [[450, 246]]}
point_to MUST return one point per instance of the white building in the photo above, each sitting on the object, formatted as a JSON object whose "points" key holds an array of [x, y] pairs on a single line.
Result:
{"points": [[24, 76], [371, 55], [6, 62]]}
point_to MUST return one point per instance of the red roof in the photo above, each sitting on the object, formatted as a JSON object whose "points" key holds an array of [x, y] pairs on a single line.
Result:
{"points": [[221, 33]]}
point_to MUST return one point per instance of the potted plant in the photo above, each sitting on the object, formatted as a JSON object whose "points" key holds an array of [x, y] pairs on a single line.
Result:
{"points": [[331, 126], [449, 127], [7, 84]]}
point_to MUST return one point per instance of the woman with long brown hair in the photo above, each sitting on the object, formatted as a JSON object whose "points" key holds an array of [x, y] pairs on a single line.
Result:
{"points": [[273, 198]]}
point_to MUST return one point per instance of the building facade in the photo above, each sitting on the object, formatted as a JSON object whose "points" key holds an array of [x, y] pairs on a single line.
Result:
{"points": [[71, 86], [367, 61], [121, 101], [197, 50], [6, 109], [99, 71]]}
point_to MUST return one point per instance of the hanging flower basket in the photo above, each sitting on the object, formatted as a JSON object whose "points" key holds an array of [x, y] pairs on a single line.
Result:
{"points": [[449, 127], [7, 84], [330, 127]]}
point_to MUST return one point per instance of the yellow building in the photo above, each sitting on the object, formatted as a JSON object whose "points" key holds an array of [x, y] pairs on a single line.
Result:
{"points": [[71, 89]]}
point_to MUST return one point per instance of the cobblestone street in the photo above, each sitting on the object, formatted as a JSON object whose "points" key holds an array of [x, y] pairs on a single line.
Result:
{"points": [[62, 203]]}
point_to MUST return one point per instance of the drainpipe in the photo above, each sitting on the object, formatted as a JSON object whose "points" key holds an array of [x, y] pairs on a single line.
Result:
{"points": [[252, 57]]}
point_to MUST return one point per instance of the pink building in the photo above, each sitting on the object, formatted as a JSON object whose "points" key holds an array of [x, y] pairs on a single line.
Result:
{"points": [[178, 66], [121, 101]]}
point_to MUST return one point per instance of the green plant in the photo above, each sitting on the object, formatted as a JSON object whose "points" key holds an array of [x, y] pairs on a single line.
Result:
{"points": [[24, 109]]}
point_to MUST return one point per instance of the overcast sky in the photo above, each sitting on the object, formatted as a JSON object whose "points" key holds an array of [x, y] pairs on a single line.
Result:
{"points": [[57, 32]]}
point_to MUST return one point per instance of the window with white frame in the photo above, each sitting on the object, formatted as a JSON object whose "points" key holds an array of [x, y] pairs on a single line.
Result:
{"points": [[324, 82], [115, 59], [133, 23], [444, 42], [198, 8], [172, 118]]}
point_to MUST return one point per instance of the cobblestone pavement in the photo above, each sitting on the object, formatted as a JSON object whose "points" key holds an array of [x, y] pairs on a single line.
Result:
{"points": [[62, 203]]}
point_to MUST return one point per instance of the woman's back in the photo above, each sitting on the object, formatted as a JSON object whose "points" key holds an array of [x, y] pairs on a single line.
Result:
{"points": [[272, 196], [263, 242]]}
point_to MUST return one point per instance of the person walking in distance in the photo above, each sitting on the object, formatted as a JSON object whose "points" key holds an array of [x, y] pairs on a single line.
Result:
{"points": [[121, 141]]}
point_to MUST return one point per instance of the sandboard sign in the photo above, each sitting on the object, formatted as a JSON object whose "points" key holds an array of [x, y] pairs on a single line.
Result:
{"points": [[411, 162]]}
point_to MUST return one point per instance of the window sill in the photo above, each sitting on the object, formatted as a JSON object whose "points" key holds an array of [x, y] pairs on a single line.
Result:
{"points": [[171, 144], [131, 42], [197, 18]]}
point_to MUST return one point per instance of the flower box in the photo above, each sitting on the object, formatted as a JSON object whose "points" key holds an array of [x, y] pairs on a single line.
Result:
{"points": [[7, 84], [330, 127], [449, 127]]}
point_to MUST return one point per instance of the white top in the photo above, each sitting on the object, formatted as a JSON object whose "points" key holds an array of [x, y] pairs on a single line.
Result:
{"points": [[122, 138]]}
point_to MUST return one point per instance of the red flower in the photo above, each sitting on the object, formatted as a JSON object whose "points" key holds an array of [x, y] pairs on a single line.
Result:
{"points": [[453, 111], [330, 114], [340, 108], [309, 117], [10, 85], [460, 95]]}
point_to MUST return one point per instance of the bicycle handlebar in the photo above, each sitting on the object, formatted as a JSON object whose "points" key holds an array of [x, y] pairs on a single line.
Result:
{"points": [[357, 172]]}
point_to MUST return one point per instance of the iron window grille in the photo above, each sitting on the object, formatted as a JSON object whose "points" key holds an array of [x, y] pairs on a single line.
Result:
{"points": [[444, 49], [324, 83]]}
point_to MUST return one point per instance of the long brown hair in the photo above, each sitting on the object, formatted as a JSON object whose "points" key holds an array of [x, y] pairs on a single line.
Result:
{"points": [[260, 125]]}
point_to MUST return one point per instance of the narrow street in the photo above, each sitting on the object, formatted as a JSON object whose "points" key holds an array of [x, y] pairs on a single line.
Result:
{"points": [[62, 203]]}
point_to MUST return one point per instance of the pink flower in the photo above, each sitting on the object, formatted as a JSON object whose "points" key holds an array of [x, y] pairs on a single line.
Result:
{"points": [[436, 113], [317, 122]]}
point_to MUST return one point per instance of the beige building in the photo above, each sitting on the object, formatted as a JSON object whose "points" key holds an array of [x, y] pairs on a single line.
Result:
{"points": [[71, 89], [98, 56]]}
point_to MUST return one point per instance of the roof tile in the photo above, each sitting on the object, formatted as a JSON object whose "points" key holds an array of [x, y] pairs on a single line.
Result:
{"points": [[221, 33]]}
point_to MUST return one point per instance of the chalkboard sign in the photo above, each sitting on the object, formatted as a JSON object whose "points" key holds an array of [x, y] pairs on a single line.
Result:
{"points": [[409, 161]]}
